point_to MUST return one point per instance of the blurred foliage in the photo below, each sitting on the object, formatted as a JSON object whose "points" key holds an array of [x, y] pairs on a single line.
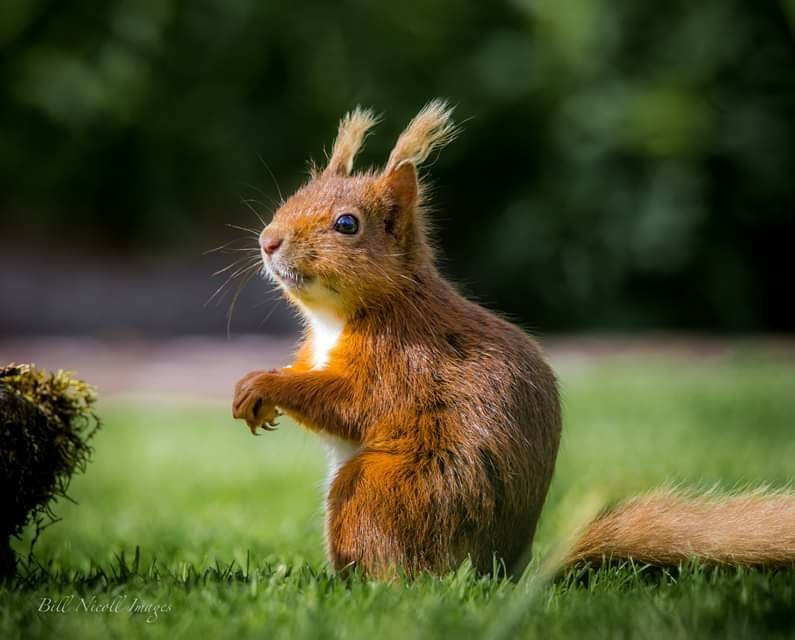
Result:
{"points": [[624, 164]]}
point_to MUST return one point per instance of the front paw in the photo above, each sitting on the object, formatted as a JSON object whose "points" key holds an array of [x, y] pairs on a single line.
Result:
{"points": [[251, 402]]}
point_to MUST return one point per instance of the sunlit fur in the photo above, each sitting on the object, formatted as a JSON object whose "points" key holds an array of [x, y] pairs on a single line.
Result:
{"points": [[432, 128], [444, 419], [350, 137], [669, 527]]}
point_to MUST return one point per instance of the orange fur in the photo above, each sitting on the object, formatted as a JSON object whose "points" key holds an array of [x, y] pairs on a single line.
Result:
{"points": [[666, 528], [350, 138], [444, 419]]}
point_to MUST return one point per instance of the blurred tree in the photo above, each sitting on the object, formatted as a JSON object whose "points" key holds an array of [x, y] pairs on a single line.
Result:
{"points": [[625, 164]]}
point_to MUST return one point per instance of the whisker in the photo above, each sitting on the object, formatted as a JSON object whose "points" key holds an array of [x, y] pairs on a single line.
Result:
{"points": [[248, 203], [273, 177], [225, 245], [267, 317], [234, 264], [241, 285], [258, 202], [274, 202], [236, 274], [246, 229]]}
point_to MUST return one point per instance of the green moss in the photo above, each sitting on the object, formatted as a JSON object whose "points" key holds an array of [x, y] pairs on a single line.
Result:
{"points": [[46, 422]]}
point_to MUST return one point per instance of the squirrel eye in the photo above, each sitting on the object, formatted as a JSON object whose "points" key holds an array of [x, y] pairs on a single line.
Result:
{"points": [[347, 224]]}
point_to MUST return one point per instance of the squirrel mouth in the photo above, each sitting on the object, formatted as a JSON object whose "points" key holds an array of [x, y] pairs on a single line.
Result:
{"points": [[289, 277]]}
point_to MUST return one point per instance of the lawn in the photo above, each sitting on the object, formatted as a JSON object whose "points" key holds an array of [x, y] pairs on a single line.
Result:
{"points": [[182, 508]]}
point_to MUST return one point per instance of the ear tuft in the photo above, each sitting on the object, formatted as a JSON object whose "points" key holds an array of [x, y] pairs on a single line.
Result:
{"points": [[432, 128], [352, 131]]}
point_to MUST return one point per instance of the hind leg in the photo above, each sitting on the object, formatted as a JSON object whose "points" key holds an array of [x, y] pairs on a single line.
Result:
{"points": [[385, 515]]}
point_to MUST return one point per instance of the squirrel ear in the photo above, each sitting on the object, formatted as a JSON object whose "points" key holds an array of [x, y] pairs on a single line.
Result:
{"points": [[350, 137], [401, 185], [431, 129]]}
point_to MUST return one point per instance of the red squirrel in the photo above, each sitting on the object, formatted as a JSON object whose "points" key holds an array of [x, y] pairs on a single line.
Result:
{"points": [[443, 420]]}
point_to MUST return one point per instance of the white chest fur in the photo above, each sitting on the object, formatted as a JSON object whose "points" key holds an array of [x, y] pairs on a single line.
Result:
{"points": [[325, 332], [339, 452]]}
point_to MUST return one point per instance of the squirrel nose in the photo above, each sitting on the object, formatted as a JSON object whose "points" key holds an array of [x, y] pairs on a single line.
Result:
{"points": [[270, 243]]}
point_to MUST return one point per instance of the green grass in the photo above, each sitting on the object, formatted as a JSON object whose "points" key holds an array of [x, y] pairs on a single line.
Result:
{"points": [[182, 507]]}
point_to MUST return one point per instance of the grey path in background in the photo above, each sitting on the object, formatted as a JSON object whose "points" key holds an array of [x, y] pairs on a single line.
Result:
{"points": [[205, 367], [190, 366], [45, 290]]}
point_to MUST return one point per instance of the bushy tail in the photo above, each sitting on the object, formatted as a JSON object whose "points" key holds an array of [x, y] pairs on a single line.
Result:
{"points": [[666, 528]]}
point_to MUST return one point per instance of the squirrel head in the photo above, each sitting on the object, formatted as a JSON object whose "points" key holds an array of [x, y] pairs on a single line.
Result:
{"points": [[347, 239]]}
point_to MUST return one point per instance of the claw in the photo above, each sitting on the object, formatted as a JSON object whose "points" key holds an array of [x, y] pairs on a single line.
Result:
{"points": [[252, 416]]}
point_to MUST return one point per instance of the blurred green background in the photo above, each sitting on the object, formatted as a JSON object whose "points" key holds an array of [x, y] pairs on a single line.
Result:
{"points": [[624, 165]]}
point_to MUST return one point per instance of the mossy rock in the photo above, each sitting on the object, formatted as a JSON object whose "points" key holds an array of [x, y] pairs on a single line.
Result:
{"points": [[46, 422]]}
